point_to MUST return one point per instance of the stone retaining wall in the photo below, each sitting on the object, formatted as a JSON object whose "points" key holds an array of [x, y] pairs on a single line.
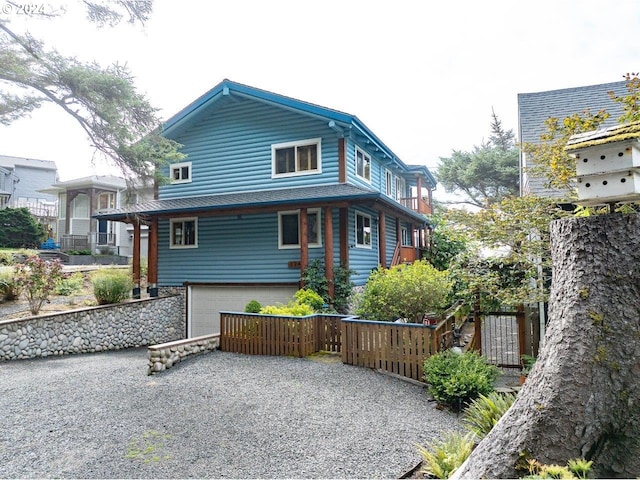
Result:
{"points": [[162, 357], [110, 327]]}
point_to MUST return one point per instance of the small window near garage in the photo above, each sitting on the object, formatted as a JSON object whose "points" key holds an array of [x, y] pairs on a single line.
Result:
{"points": [[289, 229], [296, 158], [180, 172], [388, 183], [363, 230], [363, 165], [183, 233]]}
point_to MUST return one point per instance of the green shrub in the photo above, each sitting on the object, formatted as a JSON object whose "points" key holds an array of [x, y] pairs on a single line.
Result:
{"points": [[443, 457], [69, 284], [111, 285], [456, 379], [78, 252], [292, 309], [482, 414], [578, 468], [144, 266], [37, 278], [311, 298], [9, 289], [404, 291], [253, 307], [314, 278], [6, 258]]}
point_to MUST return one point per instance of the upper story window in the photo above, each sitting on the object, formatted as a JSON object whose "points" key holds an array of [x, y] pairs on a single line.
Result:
{"points": [[80, 207], [180, 172], [388, 183], [401, 186], [296, 158], [106, 200], [363, 165], [183, 233], [289, 229], [363, 230]]}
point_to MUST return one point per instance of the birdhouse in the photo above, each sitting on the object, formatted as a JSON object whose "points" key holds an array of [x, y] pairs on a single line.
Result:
{"points": [[607, 164]]}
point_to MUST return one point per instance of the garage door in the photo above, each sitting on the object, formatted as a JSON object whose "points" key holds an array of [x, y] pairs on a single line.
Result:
{"points": [[206, 301]]}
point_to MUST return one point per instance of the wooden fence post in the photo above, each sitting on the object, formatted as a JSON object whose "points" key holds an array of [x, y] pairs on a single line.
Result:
{"points": [[522, 346], [477, 324]]}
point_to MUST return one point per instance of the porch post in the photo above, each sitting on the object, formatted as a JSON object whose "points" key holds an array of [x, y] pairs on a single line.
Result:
{"points": [[152, 259], [419, 193], [382, 240], [136, 258], [93, 235], [344, 237], [304, 243], [328, 250]]}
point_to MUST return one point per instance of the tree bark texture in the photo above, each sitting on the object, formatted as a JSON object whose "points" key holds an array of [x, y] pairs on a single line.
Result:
{"points": [[582, 398]]}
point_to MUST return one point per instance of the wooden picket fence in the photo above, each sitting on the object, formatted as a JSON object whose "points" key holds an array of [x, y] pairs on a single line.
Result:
{"points": [[398, 348]]}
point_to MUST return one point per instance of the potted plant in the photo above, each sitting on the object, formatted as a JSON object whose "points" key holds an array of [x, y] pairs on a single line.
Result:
{"points": [[527, 362]]}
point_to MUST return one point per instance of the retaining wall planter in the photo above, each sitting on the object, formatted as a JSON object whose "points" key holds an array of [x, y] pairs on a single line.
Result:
{"points": [[134, 323], [165, 356]]}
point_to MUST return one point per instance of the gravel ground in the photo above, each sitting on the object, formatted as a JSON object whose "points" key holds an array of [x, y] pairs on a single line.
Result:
{"points": [[218, 415]]}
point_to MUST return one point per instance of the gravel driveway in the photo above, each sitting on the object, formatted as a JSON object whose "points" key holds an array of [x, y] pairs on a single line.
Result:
{"points": [[218, 415]]}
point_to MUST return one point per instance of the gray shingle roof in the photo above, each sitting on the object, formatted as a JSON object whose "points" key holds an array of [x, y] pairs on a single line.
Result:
{"points": [[291, 197], [535, 108]]}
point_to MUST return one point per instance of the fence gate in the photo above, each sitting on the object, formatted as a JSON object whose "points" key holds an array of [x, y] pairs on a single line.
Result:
{"points": [[500, 337]]}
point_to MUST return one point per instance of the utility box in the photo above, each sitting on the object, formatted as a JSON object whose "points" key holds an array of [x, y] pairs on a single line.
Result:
{"points": [[607, 165]]}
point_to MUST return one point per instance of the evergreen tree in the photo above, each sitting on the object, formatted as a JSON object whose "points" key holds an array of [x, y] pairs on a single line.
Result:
{"points": [[120, 122]]}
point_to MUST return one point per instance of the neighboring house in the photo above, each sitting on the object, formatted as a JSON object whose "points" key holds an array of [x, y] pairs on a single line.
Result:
{"points": [[269, 184], [20, 182], [535, 108], [80, 199]]}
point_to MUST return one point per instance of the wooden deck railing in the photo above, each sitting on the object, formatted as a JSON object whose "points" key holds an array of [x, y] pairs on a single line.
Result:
{"points": [[417, 204], [398, 348]]}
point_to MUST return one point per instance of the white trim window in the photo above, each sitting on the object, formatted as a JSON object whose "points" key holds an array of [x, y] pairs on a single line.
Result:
{"points": [[302, 157], [363, 230], [289, 229], [401, 186], [388, 183], [363, 165], [183, 232], [180, 172]]}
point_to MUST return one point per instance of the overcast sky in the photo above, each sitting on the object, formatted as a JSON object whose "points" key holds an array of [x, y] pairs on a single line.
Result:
{"points": [[422, 75]]}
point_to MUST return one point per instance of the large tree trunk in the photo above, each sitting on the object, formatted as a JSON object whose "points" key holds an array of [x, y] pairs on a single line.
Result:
{"points": [[582, 398]]}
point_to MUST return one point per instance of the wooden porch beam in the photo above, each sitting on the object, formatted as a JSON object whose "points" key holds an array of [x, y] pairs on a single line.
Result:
{"points": [[328, 251], [136, 259], [382, 239], [344, 237], [304, 243], [152, 259]]}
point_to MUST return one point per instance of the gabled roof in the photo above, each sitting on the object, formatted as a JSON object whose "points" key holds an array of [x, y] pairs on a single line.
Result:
{"points": [[11, 162], [343, 123], [277, 198], [104, 181]]}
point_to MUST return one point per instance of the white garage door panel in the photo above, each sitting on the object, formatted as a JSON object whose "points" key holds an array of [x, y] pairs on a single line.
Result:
{"points": [[206, 302]]}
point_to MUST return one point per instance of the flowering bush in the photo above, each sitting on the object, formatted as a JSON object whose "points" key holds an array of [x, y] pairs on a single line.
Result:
{"points": [[36, 279]]}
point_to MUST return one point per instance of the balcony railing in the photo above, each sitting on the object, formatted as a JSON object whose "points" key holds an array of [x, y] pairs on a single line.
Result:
{"points": [[417, 204], [74, 242]]}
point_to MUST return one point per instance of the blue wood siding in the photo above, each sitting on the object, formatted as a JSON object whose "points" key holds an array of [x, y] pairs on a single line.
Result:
{"points": [[232, 250], [363, 260], [230, 150], [391, 237]]}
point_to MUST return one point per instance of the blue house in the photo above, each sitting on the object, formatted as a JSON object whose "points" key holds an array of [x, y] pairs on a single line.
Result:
{"points": [[269, 184]]}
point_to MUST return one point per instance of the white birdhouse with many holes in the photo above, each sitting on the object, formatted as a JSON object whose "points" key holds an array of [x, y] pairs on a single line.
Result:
{"points": [[607, 164]]}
